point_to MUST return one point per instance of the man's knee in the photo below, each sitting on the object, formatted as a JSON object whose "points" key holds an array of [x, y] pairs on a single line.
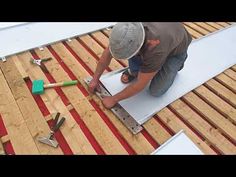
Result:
{"points": [[156, 92], [159, 85]]}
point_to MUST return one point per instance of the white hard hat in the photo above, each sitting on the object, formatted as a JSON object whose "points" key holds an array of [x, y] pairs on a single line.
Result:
{"points": [[126, 40]]}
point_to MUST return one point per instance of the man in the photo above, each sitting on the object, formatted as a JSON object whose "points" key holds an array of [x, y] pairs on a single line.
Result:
{"points": [[155, 52]]}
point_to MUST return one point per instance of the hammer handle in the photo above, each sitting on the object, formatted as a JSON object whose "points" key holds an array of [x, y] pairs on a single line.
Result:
{"points": [[59, 124], [56, 119], [58, 84], [46, 59]]}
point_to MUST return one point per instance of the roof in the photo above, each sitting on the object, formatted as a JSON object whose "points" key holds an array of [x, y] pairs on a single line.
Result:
{"points": [[207, 114]]}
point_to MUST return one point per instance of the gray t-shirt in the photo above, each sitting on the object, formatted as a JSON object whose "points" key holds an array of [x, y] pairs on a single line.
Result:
{"points": [[162, 40]]}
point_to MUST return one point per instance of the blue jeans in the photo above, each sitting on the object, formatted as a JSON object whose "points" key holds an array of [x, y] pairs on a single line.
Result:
{"points": [[162, 81]]}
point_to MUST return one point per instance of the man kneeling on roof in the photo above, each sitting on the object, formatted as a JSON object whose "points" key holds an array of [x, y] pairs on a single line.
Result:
{"points": [[155, 52]]}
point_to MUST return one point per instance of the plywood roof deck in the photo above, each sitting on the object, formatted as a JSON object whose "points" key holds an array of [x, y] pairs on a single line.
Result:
{"points": [[207, 114]]}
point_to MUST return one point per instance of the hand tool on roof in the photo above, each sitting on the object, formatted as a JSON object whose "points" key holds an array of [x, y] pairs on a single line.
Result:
{"points": [[50, 140], [39, 62], [39, 86]]}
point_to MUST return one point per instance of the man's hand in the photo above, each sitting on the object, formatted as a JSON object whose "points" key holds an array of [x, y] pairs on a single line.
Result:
{"points": [[103, 63], [109, 102], [94, 86]]}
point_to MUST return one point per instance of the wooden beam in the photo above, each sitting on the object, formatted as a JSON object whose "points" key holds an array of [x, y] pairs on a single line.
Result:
{"points": [[234, 68], [107, 32], [92, 44], [231, 73], [216, 102], [101, 37], [48, 117], [2, 151], [98, 50], [206, 26], [194, 33], [215, 25], [226, 81], [197, 28], [21, 139], [5, 138], [70, 107], [82, 53], [221, 91], [104, 41], [157, 131], [19, 67], [224, 24]]}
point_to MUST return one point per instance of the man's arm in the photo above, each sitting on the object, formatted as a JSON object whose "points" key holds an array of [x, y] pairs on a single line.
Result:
{"points": [[102, 65], [136, 87], [129, 91]]}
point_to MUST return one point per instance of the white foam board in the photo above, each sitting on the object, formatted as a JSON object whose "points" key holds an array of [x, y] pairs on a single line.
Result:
{"points": [[207, 57], [19, 38], [180, 144], [4, 25]]}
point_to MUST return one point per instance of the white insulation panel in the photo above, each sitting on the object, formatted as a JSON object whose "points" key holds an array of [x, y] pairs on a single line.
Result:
{"points": [[180, 144], [19, 37]]}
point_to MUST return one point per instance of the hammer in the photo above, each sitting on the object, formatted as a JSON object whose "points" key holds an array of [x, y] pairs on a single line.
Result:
{"points": [[39, 86]]}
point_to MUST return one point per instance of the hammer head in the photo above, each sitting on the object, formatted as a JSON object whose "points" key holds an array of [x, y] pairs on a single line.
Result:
{"points": [[48, 141], [38, 87]]}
